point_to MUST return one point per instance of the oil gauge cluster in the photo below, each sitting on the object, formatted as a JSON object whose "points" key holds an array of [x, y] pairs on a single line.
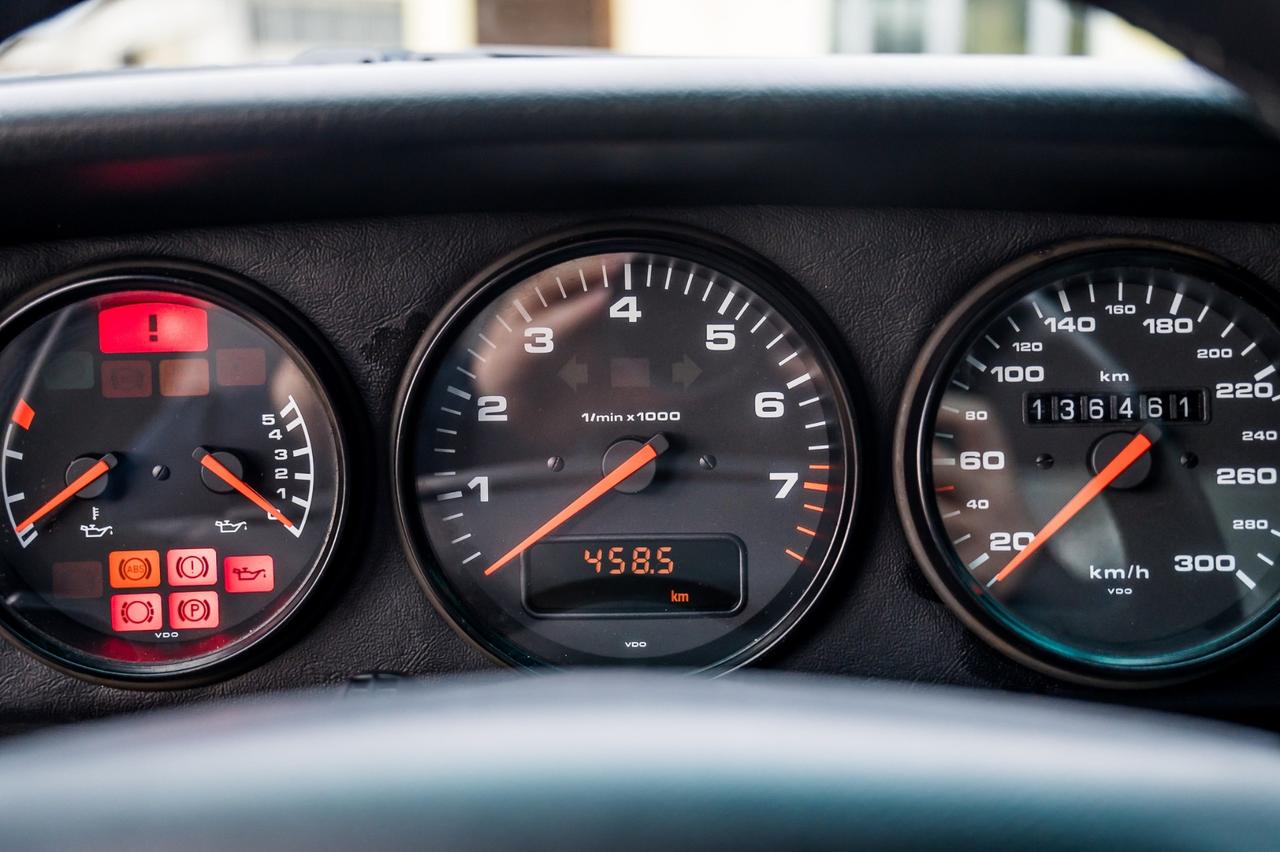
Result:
{"points": [[172, 469]]}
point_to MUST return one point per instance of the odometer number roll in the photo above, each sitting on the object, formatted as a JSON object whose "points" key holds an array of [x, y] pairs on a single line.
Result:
{"points": [[632, 448], [1088, 457]]}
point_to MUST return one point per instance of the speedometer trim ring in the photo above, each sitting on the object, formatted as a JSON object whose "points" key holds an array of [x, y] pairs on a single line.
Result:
{"points": [[912, 475]]}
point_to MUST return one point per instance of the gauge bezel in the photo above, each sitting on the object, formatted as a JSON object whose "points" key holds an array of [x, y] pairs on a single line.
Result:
{"points": [[279, 322], [926, 383], [629, 236]]}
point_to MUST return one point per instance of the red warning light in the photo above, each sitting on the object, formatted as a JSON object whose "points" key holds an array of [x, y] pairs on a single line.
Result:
{"points": [[153, 327]]}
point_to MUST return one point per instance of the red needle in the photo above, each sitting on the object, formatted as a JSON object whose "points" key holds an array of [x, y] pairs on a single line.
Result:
{"points": [[100, 467], [654, 447], [219, 470], [1132, 451]]}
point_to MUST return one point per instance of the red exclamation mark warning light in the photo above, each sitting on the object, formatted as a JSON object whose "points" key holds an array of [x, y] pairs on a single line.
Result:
{"points": [[153, 327]]}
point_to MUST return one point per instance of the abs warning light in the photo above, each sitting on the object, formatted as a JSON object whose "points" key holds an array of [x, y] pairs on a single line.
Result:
{"points": [[153, 327]]}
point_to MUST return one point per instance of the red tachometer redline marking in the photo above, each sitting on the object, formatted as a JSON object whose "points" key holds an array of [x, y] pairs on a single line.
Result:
{"points": [[805, 530], [1134, 450], [649, 451], [816, 486], [819, 467], [942, 489], [23, 414], [812, 508], [794, 555], [100, 467]]}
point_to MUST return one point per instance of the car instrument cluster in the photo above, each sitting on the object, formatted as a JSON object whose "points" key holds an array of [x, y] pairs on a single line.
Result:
{"points": [[642, 446]]}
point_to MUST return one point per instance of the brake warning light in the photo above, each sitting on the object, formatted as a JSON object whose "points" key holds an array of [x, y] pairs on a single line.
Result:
{"points": [[153, 327]]}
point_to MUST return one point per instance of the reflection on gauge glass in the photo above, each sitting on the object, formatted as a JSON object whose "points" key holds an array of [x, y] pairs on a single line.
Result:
{"points": [[625, 450], [171, 474], [1090, 461]]}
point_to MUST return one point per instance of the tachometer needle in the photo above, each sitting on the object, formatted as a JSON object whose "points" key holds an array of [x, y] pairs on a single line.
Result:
{"points": [[99, 468], [219, 470], [1134, 450], [654, 447]]}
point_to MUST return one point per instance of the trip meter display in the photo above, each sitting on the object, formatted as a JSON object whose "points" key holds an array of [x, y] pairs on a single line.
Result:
{"points": [[171, 473], [1089, 456], [626, 449]]}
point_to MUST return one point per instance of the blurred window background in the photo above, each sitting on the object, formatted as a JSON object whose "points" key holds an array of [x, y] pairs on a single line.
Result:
{"points": [[116, 33]]}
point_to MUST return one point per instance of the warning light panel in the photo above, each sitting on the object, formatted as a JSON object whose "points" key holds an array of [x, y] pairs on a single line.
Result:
{"points": [[153, 327]]}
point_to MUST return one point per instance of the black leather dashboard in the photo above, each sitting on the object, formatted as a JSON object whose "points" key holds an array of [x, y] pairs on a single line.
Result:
{"points": [[367, 196]]}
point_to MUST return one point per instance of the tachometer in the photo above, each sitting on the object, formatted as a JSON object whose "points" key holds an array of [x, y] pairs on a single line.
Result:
{"points": [[172, 472], [1088, 457], [626, 449]]}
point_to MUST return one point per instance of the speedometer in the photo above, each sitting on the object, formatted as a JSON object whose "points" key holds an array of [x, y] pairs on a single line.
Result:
{"points": [[1088, 457], [626, 449]]}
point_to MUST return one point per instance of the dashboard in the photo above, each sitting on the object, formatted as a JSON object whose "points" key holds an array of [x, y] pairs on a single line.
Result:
{"points": [[806, 384]]}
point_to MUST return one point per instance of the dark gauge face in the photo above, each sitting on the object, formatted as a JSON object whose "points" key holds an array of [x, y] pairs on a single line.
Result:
{"points": [[625, 451], [1091, 457], [171, 475]]}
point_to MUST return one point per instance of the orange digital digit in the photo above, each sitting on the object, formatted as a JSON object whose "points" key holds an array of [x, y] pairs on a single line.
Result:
{"points": [[592, 560], [620, 567], [668, 564], [640, 560]]}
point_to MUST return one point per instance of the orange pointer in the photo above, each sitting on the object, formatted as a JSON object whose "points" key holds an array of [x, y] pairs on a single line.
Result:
{"points": [[99, 468], [1134, 450], [652, 448], [219, 470]]}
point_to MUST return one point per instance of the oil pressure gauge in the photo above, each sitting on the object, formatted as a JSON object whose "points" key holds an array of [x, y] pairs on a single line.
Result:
{"points": [[172, 472]]}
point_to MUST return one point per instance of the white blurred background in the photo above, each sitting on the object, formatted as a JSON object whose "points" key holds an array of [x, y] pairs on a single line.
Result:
{"points": [[118, 33]]}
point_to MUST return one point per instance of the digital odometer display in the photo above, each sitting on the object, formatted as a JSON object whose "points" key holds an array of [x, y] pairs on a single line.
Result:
{"points": [[662, 575], [626, 449], [171, 474], [1091, 456]]}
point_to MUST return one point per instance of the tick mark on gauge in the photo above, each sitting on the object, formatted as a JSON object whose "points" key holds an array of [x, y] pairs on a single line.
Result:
{"points": [[1246, 579], [977, 563], [796, 556], [1266, 559], [978, 365]]}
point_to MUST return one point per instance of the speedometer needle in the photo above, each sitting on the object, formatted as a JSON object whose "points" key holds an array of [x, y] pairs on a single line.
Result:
{"points": [[1134, 450], [219, 470], [99, 468], [654, 447]]}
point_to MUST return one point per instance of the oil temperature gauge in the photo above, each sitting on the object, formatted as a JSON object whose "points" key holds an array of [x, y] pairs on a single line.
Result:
{"points": [[171, 470]]}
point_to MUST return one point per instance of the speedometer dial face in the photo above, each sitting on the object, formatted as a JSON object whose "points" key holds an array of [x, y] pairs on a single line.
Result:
{"points": [[626, 450], [1089, 461], [172, 473]]}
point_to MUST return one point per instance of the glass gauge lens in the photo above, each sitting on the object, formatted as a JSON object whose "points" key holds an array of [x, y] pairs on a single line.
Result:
{"points": [[171, 475], [1091, 461], [626, 451]]}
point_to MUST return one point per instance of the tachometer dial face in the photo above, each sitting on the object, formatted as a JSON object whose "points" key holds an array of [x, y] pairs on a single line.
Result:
{"points": [[1089, 461], [626, 450], [171, 473]]}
